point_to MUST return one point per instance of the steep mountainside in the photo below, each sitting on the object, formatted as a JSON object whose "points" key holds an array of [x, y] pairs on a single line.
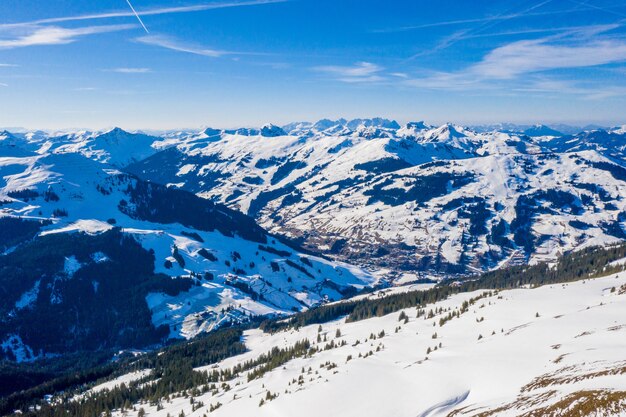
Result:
{"points": [[119, 262]]}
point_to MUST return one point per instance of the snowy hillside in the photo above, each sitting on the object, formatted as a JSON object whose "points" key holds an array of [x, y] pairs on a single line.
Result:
{"points": [[552, 351], [223, 268], [433, 199], [116, 146]]}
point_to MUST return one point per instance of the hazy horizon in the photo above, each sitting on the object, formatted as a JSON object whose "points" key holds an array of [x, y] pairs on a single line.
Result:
{"points": [[148, 129]]}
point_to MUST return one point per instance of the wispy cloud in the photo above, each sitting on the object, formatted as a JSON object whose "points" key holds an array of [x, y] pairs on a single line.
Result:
{"points": [[8, 65], [361, 72], [523, 57], [559, 87], [544, 30], [4, 85], [174, 44], [53, 35], [519, 63], [484, 24], [583, 7], [126, 70], [148, 12], [180, 46]]}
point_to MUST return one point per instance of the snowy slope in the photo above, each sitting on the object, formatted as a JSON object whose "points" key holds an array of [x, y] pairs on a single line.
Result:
{"points": [[436, 199], [420, 198], [237, 269], [552, 351]]}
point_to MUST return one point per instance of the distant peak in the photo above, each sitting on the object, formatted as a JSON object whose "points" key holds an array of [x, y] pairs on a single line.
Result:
{"points": [[271, 130], [116, 132], [416, 125], [619, 130], [324, 124], [371, 132], [451, 130], [373, 122], [209, 131], [541, 130]]}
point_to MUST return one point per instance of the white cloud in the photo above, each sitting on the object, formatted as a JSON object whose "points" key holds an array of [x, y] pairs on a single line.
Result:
{"points": [[360, 69], [4, 85], [8, 65], [131, 70], [177, 45], [54, 35], [361, 72], [520, 65], [523, 57]]}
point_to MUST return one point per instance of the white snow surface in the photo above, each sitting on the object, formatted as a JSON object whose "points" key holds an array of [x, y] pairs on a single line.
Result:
{"points": [[512, 352]]}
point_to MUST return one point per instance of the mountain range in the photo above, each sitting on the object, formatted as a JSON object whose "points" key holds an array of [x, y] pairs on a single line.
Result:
{"points": [[197, 230]]}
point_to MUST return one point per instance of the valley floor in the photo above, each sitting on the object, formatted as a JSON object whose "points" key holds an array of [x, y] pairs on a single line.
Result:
{"points": [[556, 350]]}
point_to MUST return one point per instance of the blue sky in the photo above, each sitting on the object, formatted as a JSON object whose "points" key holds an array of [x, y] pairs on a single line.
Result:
{"points": [[226, 63]]}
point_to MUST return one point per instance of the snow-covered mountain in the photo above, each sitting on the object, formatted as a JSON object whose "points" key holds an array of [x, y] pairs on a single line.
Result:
{"points": [[115, 240], [115, 146], [554, 350], [414, 198], [609, 143], [76, 233]]}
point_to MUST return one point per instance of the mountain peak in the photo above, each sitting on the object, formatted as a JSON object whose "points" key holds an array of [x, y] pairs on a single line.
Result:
{"points": [[373, 122], [116, 131], [210, 132], [324, 124], [449, 131], [541, 130], [621, 130], [416, 125], [271, 130], [5, 134]]}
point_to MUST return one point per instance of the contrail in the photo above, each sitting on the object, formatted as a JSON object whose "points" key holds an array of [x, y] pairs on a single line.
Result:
{"points": [[137, 15]]}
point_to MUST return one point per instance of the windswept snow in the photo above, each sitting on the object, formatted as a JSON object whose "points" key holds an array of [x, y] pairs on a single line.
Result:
{"points": [[88, 226]]}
